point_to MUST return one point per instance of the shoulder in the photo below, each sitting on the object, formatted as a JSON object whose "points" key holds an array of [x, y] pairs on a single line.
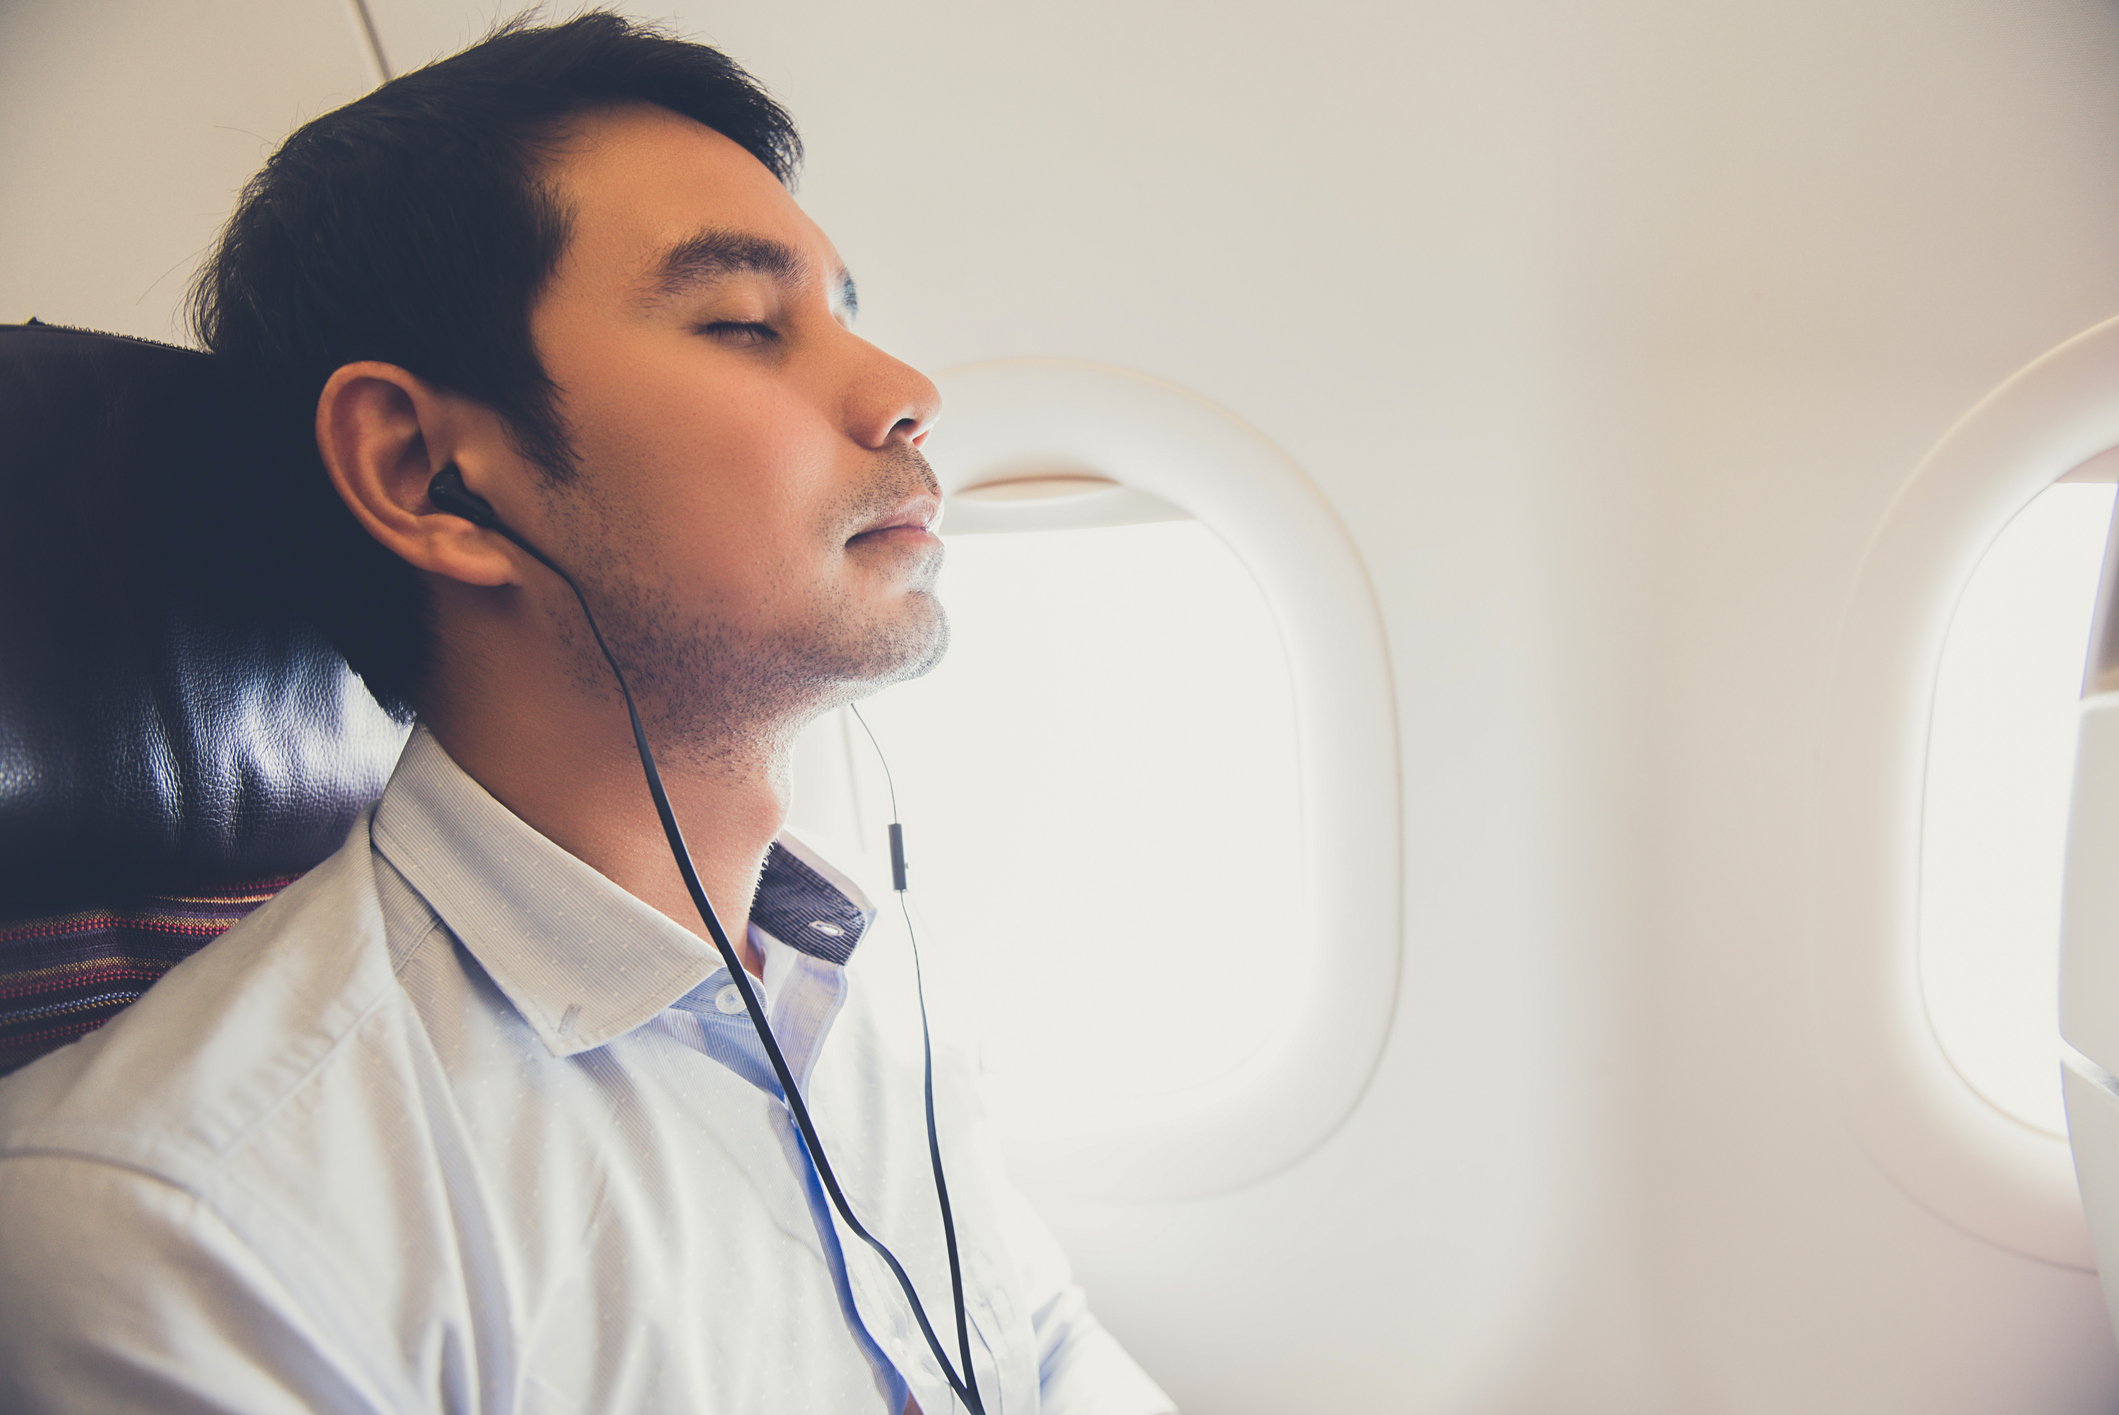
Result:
{"points": [[106, 1303], [177, 1081]]}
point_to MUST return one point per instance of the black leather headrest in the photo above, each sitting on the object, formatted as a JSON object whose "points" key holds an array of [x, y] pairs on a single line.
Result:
{"points": [[164, 723]]}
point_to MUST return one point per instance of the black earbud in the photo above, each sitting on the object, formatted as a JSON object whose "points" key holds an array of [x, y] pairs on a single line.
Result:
{"points": [[448, 492]]}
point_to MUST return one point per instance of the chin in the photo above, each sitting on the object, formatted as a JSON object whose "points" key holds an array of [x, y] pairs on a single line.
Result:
{"points": [[911, 648]]}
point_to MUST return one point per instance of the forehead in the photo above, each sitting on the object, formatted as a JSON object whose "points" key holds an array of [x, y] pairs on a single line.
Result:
{"points": [[639, 181]]}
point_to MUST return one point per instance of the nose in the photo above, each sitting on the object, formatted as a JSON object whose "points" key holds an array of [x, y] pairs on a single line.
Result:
{"points": [[890, 402]]}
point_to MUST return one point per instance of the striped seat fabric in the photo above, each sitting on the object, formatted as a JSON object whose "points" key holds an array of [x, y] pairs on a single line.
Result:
{"points": [[65, 975]]}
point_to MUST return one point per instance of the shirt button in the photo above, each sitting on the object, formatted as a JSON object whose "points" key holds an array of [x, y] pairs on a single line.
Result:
{"points": [[729, 999]]}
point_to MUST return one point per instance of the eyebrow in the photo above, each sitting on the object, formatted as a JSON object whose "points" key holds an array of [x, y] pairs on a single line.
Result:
{"points": [[712, 256]]}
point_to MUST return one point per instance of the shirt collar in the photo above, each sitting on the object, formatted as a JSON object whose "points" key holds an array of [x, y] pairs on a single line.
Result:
{"points": [[582, 960]]}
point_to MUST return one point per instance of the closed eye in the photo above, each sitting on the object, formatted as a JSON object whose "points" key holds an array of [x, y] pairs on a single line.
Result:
{"points": [[740, 331]]}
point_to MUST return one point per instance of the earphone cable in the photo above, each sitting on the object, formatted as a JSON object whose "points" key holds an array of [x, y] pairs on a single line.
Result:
{"points": [[919, 982], [966, 1386]]}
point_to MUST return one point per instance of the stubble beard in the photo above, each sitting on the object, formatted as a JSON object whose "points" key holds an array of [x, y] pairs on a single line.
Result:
{"points": [[716, 693]]}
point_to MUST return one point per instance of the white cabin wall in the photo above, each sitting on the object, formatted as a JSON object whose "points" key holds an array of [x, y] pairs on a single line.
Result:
{"points": [[1839, 227], [1609, 332], [130, 127]]}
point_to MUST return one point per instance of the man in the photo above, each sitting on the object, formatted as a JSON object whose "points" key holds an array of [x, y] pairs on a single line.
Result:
{"points": [[472, 1118]]}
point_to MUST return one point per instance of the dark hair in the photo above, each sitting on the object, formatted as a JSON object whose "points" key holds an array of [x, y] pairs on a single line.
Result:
{"points": [[412, 226]]}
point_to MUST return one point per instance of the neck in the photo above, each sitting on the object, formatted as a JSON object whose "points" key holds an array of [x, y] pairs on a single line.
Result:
{"points": [[573, 775]]}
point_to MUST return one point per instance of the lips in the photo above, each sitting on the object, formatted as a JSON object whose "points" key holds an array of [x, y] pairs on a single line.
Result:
{"points": [[915, 514]]}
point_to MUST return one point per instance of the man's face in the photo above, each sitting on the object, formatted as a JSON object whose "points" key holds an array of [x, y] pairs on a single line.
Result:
{"points": [[751, 510]]}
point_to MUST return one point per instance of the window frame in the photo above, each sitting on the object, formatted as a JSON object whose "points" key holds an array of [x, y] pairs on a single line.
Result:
{"points": [[1948, 1147]]}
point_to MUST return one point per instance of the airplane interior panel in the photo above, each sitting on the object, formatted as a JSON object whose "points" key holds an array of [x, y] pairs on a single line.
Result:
{"points": [[1500, 808]]}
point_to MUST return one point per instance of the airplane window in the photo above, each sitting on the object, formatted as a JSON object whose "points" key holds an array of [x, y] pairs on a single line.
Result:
{"points": [[1151, 796], [1994, 817], [1100, 792]]}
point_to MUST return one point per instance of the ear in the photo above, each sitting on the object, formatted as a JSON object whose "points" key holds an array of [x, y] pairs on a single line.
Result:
{"points": [[384, 433]]}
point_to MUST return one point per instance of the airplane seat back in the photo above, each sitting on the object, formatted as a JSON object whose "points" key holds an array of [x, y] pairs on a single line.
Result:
{"points": [[173, 746]]}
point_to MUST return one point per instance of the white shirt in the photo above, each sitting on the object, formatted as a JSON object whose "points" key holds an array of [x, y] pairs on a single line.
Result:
{"points": [[455, 1124]]}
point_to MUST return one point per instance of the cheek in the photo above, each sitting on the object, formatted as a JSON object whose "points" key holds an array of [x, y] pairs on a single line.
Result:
{"points": [[639, 425], [731, 482], [755, 464]]}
